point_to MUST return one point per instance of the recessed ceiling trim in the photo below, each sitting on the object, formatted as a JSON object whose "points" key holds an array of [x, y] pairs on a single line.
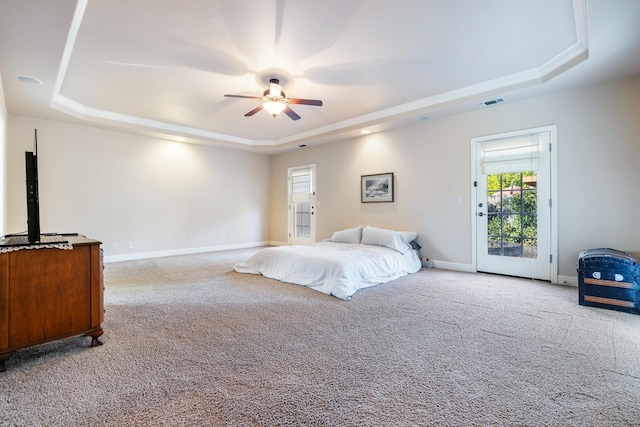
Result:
{"points": [[566, 59], [80, 111], [78, 14], [410, 109], [76, 109], [575, 53], [563, 61]]}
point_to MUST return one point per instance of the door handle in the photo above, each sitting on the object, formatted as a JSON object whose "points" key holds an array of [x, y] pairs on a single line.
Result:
{"points": [[480, 214]]}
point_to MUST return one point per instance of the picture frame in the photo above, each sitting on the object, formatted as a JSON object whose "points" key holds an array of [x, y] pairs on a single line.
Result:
{"points": [[377, 188]]}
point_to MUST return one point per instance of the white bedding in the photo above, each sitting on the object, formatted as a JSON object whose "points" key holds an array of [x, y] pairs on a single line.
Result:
{"points": [[337, 269]]}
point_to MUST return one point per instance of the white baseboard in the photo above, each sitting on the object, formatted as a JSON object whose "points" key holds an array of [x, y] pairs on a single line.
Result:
{"points": [[187, 251], [568, 280], [445, 265], [468, 268]]}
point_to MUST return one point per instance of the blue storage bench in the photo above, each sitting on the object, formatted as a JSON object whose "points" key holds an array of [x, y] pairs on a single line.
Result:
{"points": [[609, 279]]}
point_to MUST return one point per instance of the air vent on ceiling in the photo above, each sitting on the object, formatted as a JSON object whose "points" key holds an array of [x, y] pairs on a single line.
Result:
{"points": [[490, 102]]}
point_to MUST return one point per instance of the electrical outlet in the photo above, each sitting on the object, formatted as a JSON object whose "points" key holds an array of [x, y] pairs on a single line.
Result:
{"points": [[130, 245], [114, 246], [426, 262]]}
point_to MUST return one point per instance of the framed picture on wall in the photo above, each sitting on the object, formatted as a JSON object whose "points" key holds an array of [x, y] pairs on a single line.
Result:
{"points": [[376, 188]]}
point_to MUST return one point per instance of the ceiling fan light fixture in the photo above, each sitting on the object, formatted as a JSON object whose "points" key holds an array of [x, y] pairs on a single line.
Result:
{"points": [[275, 101], [274, 107]]}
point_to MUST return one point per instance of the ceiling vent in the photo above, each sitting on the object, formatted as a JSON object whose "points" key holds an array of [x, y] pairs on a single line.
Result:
{"points": [[490, 102]]}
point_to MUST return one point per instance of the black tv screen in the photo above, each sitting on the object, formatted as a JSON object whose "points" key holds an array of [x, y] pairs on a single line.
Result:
{"points": [[33, 205]]}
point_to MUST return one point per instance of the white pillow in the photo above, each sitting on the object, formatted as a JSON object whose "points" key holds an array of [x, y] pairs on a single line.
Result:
{"points": [[408, 236], [387, 238], [350, 235]]}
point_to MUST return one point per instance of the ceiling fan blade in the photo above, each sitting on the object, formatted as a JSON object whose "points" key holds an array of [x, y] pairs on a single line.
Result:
{"points": [[292, 114], [255, 110], [243, 96], [315, 102]]}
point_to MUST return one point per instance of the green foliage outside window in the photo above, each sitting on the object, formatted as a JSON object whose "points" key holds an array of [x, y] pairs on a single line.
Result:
{"points": [[512, 208]]}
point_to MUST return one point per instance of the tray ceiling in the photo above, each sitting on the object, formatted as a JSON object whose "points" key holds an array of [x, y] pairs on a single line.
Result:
{"points": [[163, 67]]}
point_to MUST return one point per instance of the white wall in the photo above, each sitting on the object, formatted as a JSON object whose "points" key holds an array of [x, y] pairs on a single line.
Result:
{"points": [[165, 197], [598, 174]]}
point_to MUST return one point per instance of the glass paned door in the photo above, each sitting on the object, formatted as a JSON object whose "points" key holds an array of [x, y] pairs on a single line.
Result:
{"points": [[302, 200], [513, 212]]}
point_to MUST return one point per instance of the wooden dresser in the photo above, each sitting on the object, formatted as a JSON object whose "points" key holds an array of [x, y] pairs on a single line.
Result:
{"points": [[50, 294]]}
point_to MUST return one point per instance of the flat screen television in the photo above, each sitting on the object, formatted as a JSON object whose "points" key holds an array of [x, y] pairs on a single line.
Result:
{"points": [[33, 235], [33, 204]]}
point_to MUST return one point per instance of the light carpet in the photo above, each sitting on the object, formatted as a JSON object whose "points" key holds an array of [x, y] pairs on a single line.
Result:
{"points": [[190, 342]]}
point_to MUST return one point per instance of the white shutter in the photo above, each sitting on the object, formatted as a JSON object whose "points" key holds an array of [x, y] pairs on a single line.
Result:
{"points": [[518, 154], [301, 186]]}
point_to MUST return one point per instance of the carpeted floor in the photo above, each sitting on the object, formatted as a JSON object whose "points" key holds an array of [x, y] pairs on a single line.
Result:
{"points": [[190, 342]]}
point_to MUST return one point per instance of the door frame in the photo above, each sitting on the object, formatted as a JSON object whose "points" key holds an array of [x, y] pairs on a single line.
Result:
{"points": [[553, 171]]}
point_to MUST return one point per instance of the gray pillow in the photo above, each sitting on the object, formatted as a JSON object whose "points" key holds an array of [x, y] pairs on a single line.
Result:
{"points": [[387, 238], [350, 235]]}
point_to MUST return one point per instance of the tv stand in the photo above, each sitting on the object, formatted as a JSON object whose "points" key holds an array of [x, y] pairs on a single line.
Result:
{"points": [[48, 294]]}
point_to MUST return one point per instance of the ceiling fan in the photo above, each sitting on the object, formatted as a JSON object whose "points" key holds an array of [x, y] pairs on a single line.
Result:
{"points": [[275, 101]]}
